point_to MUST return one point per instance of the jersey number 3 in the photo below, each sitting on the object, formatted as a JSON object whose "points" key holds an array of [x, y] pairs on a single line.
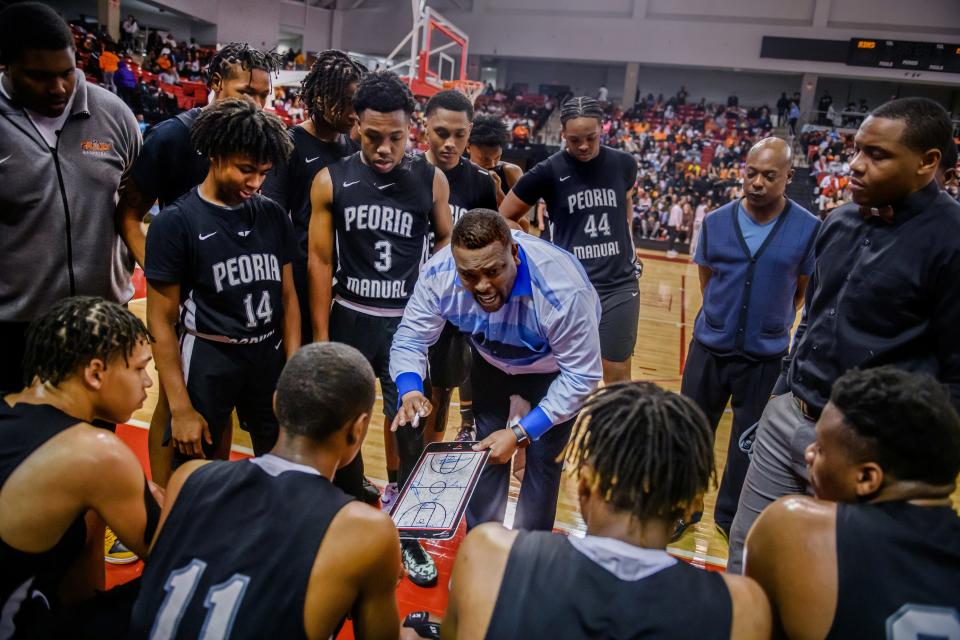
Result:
{"points": [[223, 601]]}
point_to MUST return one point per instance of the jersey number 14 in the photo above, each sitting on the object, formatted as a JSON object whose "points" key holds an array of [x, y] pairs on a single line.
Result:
{"points": [[264, 311]]}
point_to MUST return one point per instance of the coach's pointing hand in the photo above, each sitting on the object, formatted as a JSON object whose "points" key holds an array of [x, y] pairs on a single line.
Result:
{"points": [[413, 406]]}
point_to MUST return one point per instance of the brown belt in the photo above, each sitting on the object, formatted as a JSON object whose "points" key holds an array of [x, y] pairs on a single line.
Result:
{"points": [[808, 412]]}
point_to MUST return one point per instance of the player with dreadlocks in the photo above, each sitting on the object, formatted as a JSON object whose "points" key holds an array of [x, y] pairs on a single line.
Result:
{"points": [[327, 91], [488, 139], [61, 477], [218, 264], [168, 167], [588, 191], [643, 458]]}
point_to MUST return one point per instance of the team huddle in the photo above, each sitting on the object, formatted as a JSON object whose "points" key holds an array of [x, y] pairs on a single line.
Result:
{"points": [[289, 271]]}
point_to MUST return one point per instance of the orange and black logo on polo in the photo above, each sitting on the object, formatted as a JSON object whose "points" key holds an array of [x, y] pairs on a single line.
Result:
{"points": [[95, 147]]}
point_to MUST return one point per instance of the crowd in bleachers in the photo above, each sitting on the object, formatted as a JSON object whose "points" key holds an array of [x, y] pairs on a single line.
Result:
{"points": [[169, 79]]}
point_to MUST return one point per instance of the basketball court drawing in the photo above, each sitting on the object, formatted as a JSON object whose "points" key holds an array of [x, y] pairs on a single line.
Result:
{"points": [[438, 489]]}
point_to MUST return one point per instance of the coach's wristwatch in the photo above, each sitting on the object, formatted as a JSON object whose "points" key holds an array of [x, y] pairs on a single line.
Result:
{"points": [[523, 440]]}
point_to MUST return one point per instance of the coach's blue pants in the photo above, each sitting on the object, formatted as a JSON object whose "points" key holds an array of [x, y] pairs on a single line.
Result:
{"points": [[537, 505]]}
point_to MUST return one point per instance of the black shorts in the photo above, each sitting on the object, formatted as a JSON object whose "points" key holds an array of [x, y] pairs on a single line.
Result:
{"points": [[449, 359], [619, 313], [372, 336], [222, 377]]}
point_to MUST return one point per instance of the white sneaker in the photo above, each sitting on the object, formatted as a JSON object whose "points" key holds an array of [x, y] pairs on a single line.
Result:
{"points": [[671, 254]]}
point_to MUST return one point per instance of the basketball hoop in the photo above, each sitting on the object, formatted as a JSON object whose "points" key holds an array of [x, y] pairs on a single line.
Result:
{"points": [[470, 88]]}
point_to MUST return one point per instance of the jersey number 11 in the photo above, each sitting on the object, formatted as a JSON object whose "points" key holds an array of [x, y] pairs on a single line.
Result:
{"points": [[223, 601]]}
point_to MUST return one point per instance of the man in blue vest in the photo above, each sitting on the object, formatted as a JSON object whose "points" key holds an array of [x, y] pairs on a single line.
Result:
{"points": [[755, 257]]}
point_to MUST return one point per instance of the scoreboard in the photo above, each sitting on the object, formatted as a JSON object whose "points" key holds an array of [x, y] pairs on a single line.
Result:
{"points": [[901, 54]]}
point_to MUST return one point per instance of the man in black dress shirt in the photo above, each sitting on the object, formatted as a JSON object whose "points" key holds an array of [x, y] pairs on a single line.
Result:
{"points": [[885, 292]]}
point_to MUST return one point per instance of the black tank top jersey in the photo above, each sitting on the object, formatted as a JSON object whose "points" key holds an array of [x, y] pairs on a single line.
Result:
{"points": [[24, 428], [289, 184], [502, 172], [898, 572], [587, 205], [235, 554], [228, 261], [595, 603], [471, 187], [382, 223]]}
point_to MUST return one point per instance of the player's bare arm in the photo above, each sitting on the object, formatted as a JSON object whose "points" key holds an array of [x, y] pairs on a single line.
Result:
{"points": [[291, 313], [513, 208], [361, 548], [163, 310], [321, 238], [513, 173], [441, 219], [475, 583], [132, 206], [80, 470], [795, 536], [752, 617]]}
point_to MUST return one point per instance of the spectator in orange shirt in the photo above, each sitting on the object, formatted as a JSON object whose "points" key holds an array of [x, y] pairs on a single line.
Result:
{"points": [[108, 65]]}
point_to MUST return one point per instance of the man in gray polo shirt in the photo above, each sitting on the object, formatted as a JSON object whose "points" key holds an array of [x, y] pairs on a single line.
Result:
{"points": [[65, 148]]}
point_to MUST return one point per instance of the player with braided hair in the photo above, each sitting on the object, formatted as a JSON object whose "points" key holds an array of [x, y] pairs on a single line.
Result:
{"points": [[588, 191], [237, 59], [61, 477], [327, 91], [218, 265], [643, 458]]}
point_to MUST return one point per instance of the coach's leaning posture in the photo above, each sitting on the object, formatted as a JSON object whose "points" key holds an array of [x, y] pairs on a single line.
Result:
{"points": [[531, 316], [755, 257]]}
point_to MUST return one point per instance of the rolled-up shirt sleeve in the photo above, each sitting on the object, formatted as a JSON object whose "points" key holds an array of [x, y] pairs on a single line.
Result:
{"points": [[419, 329], [574, 336]]}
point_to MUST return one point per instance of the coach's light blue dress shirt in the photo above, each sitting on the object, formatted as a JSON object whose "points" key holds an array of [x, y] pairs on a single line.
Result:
{"points": [[549, 323]]}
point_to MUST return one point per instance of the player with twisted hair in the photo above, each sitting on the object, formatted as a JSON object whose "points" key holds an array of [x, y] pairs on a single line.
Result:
{"points": [[327, 92], [61, 477], [218, 266], [240, 53], [643, 458]]}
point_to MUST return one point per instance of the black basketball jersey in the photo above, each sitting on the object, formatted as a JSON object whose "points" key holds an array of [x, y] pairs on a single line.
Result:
{"points": [[24, 428], [233, 558], [588, 211], [898, 569], [551, 589], [382, 223], [228, 261], [288, 184], [501, 171], [169, 165], [471, 187]]}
